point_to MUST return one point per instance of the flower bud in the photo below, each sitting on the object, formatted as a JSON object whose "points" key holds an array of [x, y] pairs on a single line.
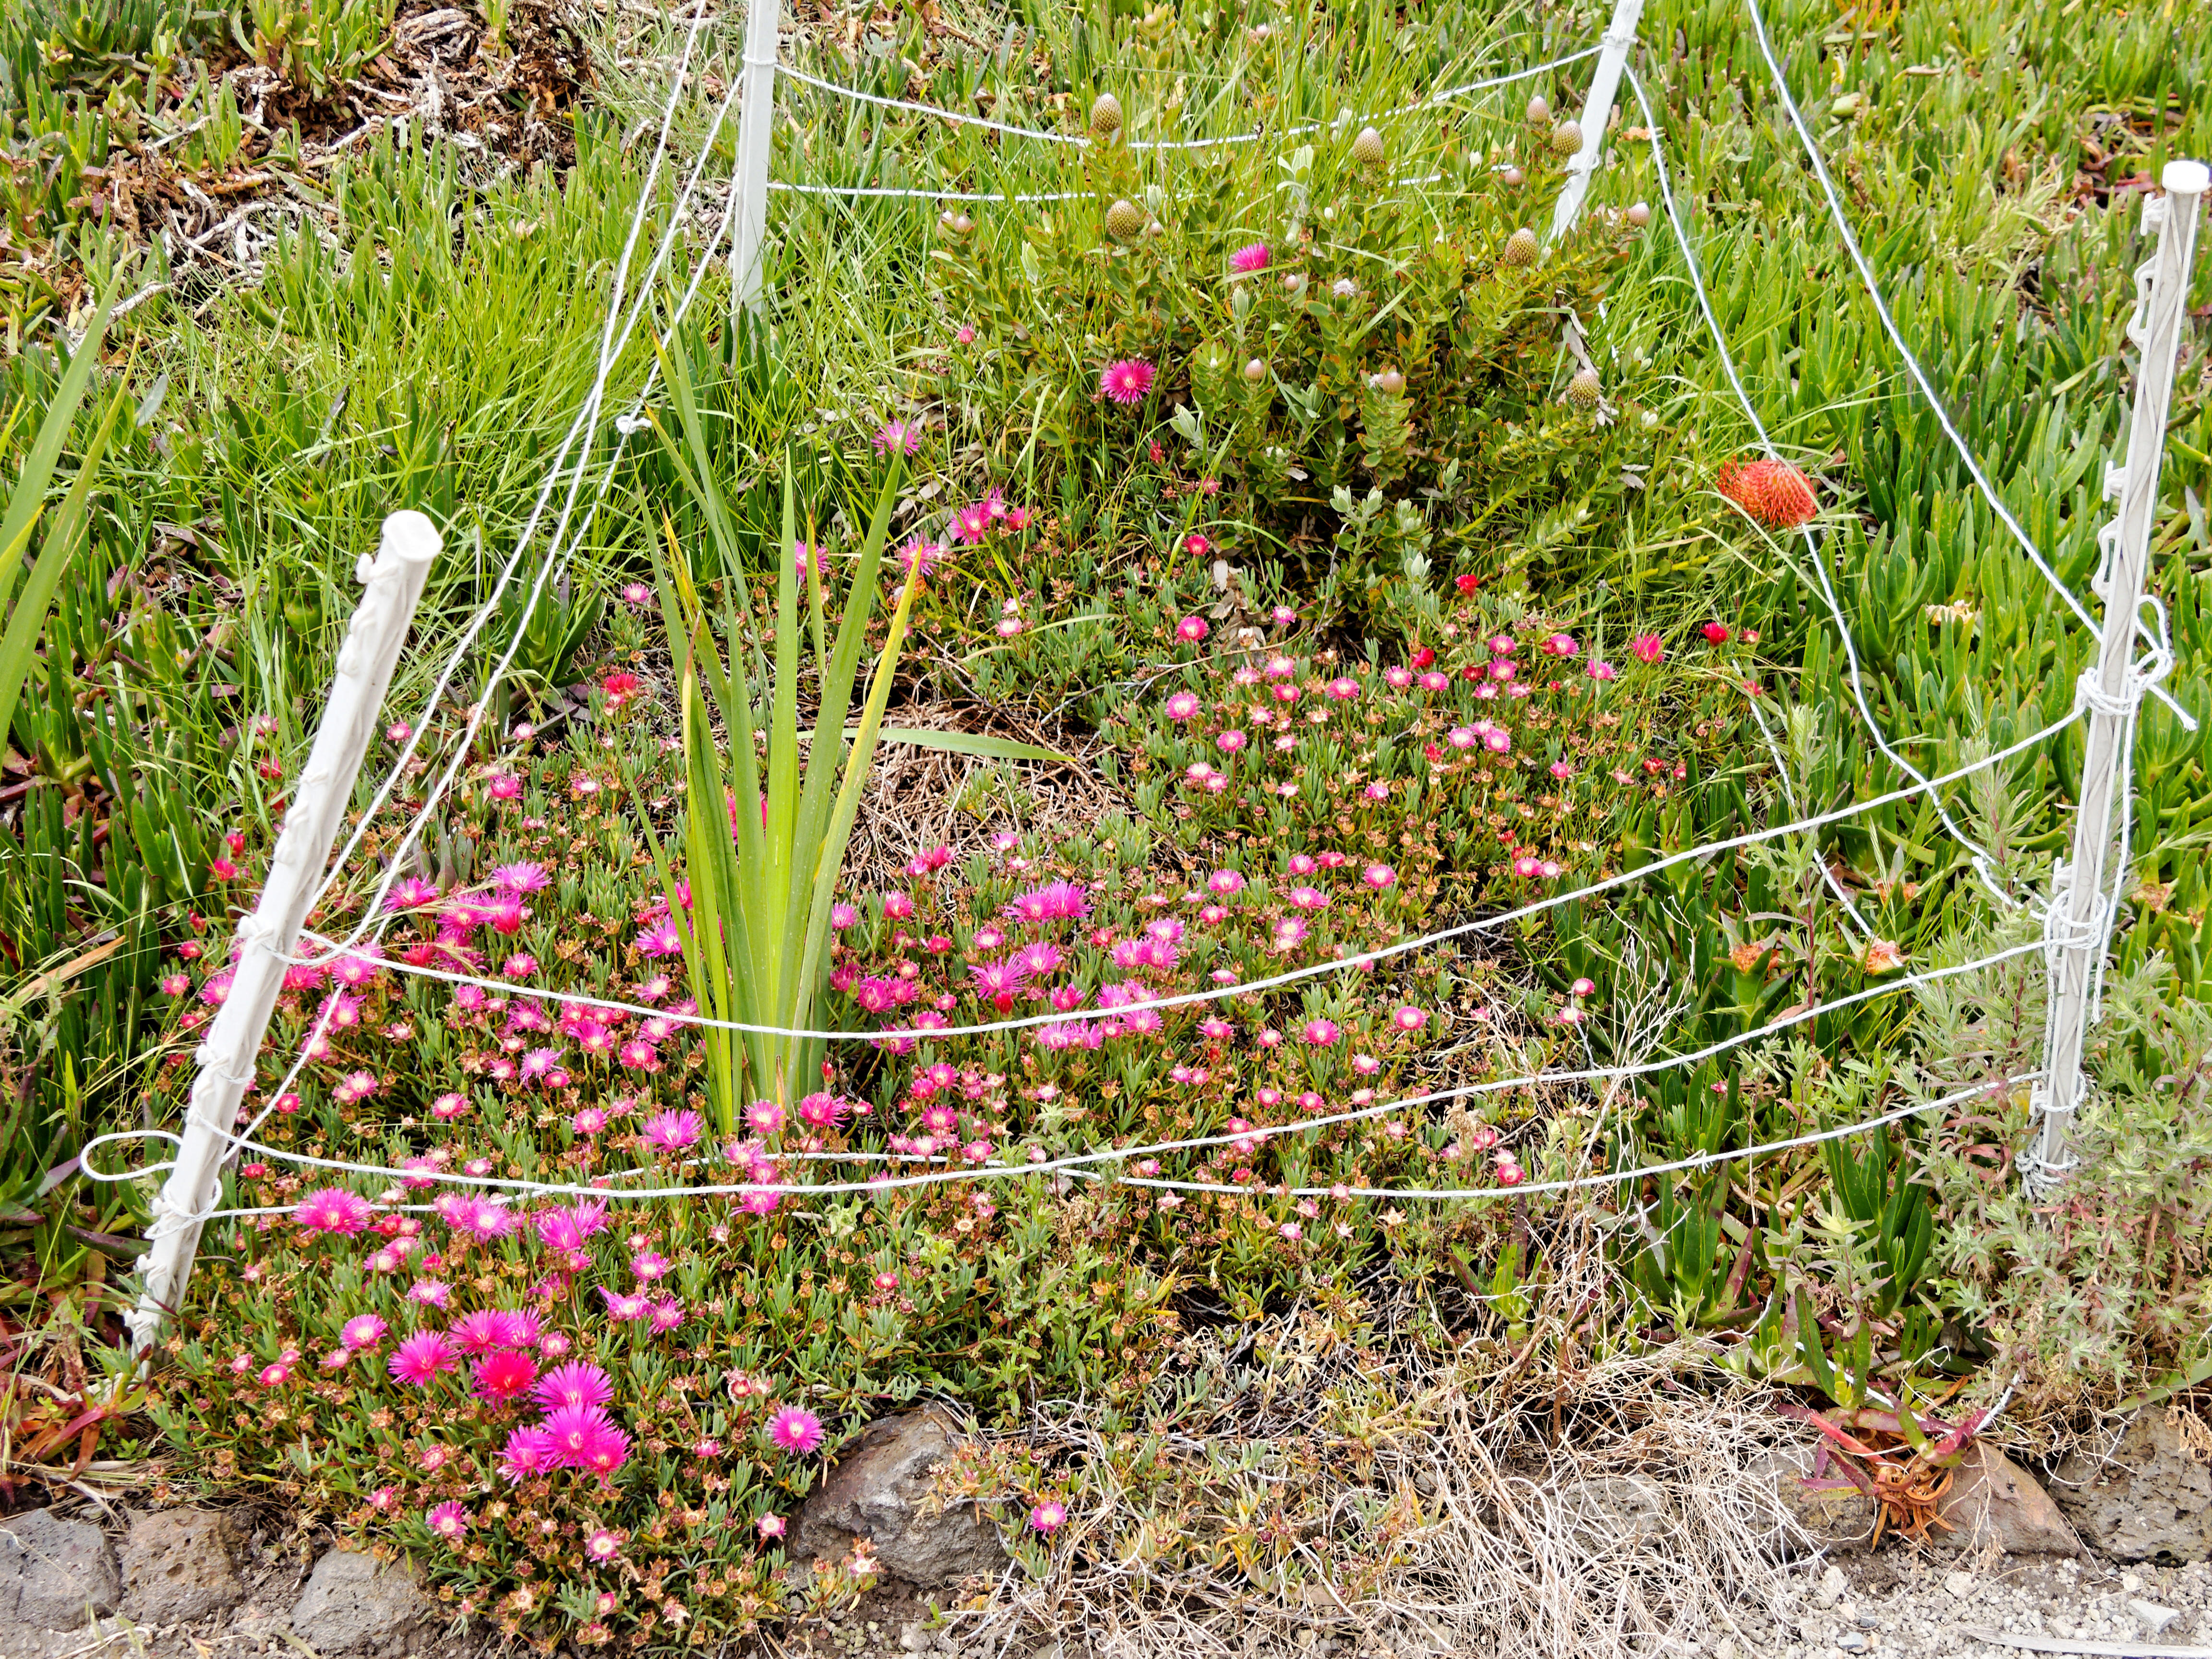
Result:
{"points": [[1539, 111], [1583, 391], [1521, 248], [1125, 220], [1295, 285], [1390, 383], [1639, 214], [1105, 119], [1514, 178], [1367, 148], [1255, 372], [1566, 138]]}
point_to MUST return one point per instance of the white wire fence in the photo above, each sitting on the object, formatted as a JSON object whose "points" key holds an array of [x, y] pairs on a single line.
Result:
{"points": [[191, 1198]]}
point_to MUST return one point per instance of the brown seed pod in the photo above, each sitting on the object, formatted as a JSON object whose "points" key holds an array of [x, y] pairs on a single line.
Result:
{"points": [[1125, 220], [1583, 391], [1367, 148], [1521, 248], [1105, 119]]}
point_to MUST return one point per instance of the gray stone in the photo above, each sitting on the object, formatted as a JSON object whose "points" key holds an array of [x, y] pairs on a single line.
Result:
{"points": [[181, 1565], [880, 1490], [2155, 1616], [354, 1603], [55, 1574], [1613, 1513], [1835, 1523], [1993, 1501], [2151, 1499]]}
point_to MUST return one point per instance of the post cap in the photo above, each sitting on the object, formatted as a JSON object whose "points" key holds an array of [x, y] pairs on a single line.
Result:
{"points": [[410, 535], [2185, 179]]}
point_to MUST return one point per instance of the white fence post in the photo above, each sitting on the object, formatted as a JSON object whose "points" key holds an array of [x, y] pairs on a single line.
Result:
{"points": [[394, 580], [2081, 919], [756, 129], [1597, 111]]}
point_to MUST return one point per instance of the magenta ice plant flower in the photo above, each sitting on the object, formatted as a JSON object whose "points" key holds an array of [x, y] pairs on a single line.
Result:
{"points": [[332, 1209], [1125, 381], [795, 1429]]}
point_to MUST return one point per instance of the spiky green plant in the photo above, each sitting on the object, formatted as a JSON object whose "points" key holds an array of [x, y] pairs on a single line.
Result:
{"points": [[760, 882]]}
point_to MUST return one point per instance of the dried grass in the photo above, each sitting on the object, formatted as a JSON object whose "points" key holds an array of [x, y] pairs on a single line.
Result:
{"points": [[1433, 1503]]}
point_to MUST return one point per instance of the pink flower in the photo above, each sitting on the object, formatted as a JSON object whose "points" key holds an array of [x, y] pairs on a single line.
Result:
{"points": [[1050, 1515], [1410, 1018], [1585, 987], [1246, 259], [1055, 901], [422, 1357], [1343, 688], [965, 335], [1379, 876], [503, 1377], [1599, 669], [918, 555], [765, 1116], [1321, 1033], [795, 1429], [1196, 545], [1224, 882], [1716, 633], [332, 1209], [573, 1429], [577, 1386], [448, 1521], [897, 437], [1191, 629], [842, 916], [605, 1449], [770, 1528], [411, 893], [671, 1131], [603, 1546], [1125, 381], [275, 1376], [1559, 645], [528, 1452], [364, 1330], [1182, 705]]}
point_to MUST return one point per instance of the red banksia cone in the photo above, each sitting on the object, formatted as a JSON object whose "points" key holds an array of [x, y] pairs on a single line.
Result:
{"points": [[1774, 492]]}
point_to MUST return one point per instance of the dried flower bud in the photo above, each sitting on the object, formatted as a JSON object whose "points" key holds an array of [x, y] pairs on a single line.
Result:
{"points": [[1639, 214], [1256, 371], [1125, 220], [1521, 248], [1566, 137], [1295, 285], [1367, 148], [1583, 391], [1390, 382], [1105, 119], [961, 224], [1514, 178]]}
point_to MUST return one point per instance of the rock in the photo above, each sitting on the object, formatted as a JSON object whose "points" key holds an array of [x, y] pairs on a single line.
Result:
{"points": [[2155, 1618], [2150, 1499], [55, 1574], [181, 1565], [1621, 1512], [1993, 1501], [879, 1492], [1837, 1522], [1832, 1588], [354, 1603], [1961, 1584]]}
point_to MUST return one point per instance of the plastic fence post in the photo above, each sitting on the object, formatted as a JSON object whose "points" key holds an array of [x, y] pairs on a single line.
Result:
{"points": [[756, 129], [394, 580], [1597, 111], [2084, 891]]}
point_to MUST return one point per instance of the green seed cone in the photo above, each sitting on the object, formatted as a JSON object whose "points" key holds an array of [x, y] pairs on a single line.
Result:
{"points": [[1106, 118], [1125, 220], [1566, 138], [1583, 391], [1367, 148], [1521, 248]]}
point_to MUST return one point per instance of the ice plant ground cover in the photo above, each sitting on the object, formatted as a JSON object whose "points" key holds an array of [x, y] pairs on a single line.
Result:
{"points": [[1259, 485]]}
